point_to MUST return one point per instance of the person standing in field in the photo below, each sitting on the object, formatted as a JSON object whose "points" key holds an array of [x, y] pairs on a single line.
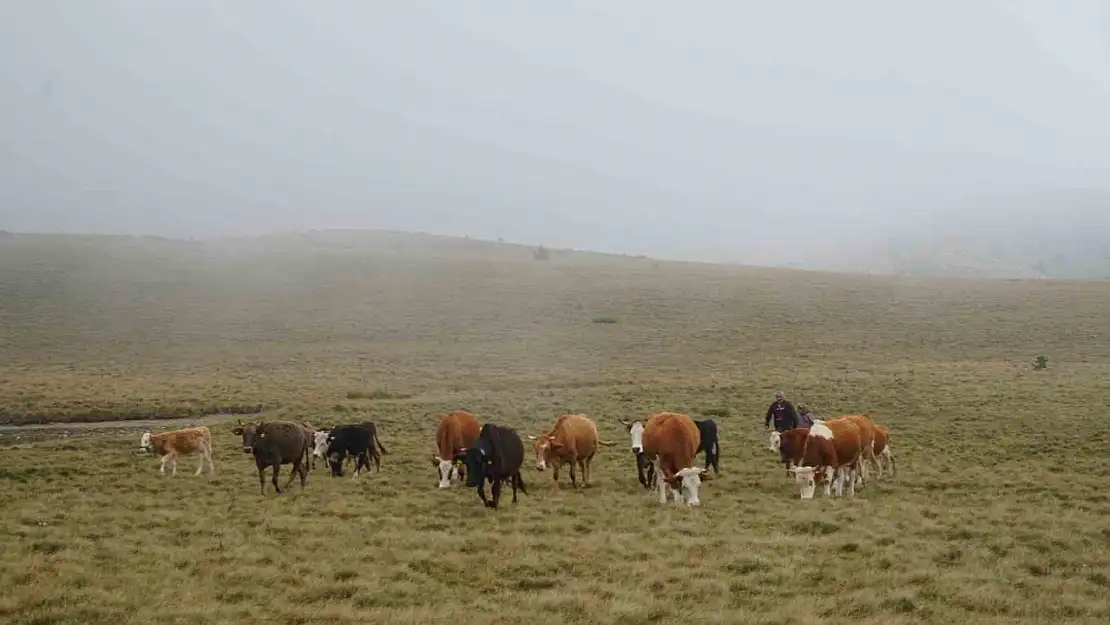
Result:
{"points": [[784, 416], [805, 416]]}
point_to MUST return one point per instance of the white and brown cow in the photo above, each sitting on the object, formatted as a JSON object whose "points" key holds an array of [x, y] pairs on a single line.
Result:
{"points": [[830, 448], [185, 442], [670, 441], [457, 431]]}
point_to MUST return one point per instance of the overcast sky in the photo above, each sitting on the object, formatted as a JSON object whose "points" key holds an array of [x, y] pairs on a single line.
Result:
{"points": [[710, 130]]}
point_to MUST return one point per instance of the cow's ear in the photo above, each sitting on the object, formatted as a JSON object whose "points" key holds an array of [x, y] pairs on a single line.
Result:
{"points": [[237, 431], [706, 476], [531, 438]]}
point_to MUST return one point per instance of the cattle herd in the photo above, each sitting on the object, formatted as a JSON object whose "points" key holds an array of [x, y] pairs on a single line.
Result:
{"points": [[834, 452]]}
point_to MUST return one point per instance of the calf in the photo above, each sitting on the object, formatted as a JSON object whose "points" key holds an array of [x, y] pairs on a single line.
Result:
{"points": [[572, 440], [456, 431], [670, 440], [496, 456], [831, 447], [276, 443], [184, 442], [708, 442], [357, 440]]}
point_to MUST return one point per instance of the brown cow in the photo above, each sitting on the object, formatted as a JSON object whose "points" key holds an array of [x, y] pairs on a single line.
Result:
{"points": [[275, 443], [867, 442], [883, 451], [184, 442], [572, 440], [457, 431], [670, 441], [831, 447]]}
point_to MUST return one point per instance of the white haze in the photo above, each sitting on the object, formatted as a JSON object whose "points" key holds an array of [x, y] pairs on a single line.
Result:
{"points": [[737, 131]]}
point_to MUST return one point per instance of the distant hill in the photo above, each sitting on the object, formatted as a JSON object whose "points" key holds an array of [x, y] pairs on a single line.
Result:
{"points": [[1047, 236]]}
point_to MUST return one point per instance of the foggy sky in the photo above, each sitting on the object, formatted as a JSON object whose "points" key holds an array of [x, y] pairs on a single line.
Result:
{"points": [[713, 130]]}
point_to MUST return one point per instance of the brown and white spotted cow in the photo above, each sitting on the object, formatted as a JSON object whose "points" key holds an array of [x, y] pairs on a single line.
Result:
{"points": [[670, 441], [832, 449], [457, 431], [188, 441], [572, 440]]}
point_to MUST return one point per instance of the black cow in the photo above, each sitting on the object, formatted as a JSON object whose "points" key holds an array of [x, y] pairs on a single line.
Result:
{"points": [[276, 443], [496, 456], [710, 444], [358, 440]]}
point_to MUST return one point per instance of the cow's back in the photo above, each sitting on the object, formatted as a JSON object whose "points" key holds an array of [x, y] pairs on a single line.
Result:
{"points": [[847, 439], [673, 435], [457, 430], [576, 432], [506, 446], [284, 440], [866, 428]]}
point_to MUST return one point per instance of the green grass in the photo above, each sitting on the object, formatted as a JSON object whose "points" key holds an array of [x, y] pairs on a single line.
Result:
{"points": [[998, 514]]}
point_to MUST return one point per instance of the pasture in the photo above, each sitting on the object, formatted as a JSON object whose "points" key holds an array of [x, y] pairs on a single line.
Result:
{"points": [[999, 513]]}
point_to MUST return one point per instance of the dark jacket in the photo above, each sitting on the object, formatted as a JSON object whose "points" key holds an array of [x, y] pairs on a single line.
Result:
{"points": [[786, 418]]}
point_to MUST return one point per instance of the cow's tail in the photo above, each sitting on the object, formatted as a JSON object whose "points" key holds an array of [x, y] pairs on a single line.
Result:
{"points": [[520, 482], [379, 442]]}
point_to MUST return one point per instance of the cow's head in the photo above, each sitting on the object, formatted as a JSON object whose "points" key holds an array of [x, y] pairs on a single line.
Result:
{"points": [[475, 460], [636, 433], [320, 443], [247, 431], [774, 441], [687, 482], [144, 442], [449, 469], [806, 478], [543, 446]]}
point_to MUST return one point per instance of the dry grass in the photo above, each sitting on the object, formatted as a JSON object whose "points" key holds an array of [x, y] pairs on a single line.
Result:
{"points": [[998, 515]]}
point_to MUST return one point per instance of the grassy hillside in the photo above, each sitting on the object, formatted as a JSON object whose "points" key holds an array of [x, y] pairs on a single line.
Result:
{"points": [[997, 515]]}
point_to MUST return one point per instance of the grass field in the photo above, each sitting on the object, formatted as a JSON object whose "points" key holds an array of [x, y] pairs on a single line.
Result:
{"points": [[999, 513]]}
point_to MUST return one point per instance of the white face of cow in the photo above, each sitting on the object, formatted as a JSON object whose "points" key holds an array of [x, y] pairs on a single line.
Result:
{"points": [[320, 443], [144, 441], [447, 471], [806, 478], [687, 482], [774, 442], [637, 434]]}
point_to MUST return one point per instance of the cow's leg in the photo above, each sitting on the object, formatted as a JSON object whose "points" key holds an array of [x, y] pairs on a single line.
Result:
{"points": [[830, 476], [211, 463], [200, 467], [661, 486], [890, 458], [277, 469], [173, 463], [555, 466], [573, 471], [852, 483], [587, 471], [304, 474], [515, 481], [496, 492], [262, 478], [482, 493], [293, 472], [162, 469]]}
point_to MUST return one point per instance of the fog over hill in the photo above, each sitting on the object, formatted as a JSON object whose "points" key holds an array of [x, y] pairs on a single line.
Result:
{"points": [[742, 132]]}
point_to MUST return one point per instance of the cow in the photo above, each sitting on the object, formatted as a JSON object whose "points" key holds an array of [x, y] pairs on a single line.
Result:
{"points": [[496, 456], [457, 430], [832, 448], [883, 454], [572, 440], [709, 443], [275, 443], [184, 442], [645, 472], [670, 441], [867, 442], [357, 440]]}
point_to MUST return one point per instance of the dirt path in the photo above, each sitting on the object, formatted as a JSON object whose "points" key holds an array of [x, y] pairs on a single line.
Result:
{"points": [[44, 430]]}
